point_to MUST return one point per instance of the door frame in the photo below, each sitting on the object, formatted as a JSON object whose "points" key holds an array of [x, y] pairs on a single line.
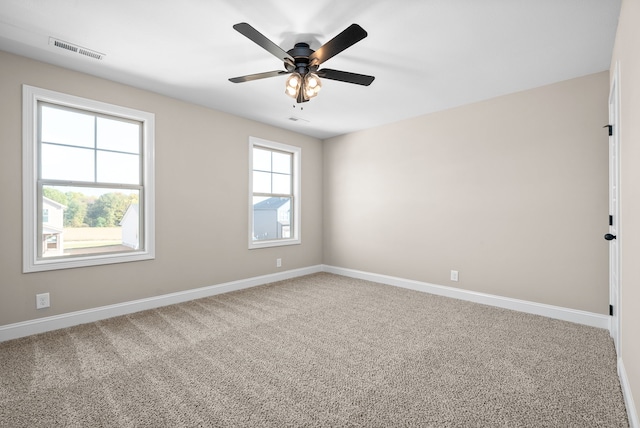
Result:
{"points": [[614, 207]]}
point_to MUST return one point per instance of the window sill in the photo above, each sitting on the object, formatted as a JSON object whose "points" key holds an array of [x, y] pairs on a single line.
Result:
{"points": [[275, 243], [77, 262]]}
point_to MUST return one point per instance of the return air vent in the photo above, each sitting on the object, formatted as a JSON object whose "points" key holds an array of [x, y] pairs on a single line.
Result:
{"points": [[75, 48]]}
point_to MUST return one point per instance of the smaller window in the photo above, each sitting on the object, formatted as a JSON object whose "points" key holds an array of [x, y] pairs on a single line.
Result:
{"points": [[274, 194]]}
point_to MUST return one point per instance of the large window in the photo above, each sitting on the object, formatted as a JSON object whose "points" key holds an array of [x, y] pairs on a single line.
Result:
{"points": [[88, 182], [274, 194]]}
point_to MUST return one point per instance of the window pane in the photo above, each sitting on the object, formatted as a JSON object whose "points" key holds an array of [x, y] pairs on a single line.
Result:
{"points": [[67, 163], [261, 160], [261, 182], [118, 135], [67, 127], [271, 218], [118, 168], [282, 163], [88, 220], [274, 205], [281, 184]]}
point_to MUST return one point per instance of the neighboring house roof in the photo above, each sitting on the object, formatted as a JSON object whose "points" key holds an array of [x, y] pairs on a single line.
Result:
{"points": [[271, 204], [53, 203], [50, 230], [132, 210]]}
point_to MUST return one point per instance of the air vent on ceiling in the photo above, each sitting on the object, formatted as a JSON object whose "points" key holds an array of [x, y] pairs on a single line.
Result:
{"points": [[75, 48], [296, 119]]}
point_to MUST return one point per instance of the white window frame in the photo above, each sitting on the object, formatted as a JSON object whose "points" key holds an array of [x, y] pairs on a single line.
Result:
{"points": [[31, 96], [296, 153]]}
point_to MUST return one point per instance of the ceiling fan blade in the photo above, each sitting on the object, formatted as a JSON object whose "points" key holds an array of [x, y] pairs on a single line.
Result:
{"points": [[257, 76], [352, 35], [345, 76], [259, 39]]}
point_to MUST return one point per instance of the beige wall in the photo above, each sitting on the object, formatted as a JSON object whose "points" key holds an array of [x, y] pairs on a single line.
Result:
{"points": [[626, 54], [511, 192], [201, 200]]}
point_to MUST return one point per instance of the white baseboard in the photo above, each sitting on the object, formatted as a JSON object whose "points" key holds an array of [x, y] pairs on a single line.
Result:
{"points": [[41, 325], [556, 312], [632, 413]]}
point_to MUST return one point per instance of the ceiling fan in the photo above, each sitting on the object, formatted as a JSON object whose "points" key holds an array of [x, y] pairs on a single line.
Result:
{"points": [[302, 63]]}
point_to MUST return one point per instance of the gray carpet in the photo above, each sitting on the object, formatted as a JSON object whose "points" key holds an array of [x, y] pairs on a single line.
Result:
{"points": [[321, 350]]}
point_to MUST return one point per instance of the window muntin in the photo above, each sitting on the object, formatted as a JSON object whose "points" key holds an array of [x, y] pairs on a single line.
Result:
{"points": [[89, 166], [274, 213], [103, 150], [272, 173]]}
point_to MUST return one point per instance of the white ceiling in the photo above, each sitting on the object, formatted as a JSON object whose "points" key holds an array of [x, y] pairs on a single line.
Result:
{"points": [[426, 55]]}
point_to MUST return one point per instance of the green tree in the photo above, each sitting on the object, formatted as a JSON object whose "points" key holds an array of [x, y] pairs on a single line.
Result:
{"points": [[107, 210], [55, 195], [76, 210]]}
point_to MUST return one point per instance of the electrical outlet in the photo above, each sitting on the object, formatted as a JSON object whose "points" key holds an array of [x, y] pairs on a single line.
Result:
{"points": [[42, 301], [278, 262], [454, 275]]}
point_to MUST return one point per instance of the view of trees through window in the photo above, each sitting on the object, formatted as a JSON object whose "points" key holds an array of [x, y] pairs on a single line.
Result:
{"points": [[83, 210], [89, 220]]}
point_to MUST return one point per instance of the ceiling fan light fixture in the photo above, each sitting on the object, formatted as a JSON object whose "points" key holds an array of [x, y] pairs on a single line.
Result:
{"points": [[312, 85], [293, 84], [312, 80], [309, 93], [292, 92]]}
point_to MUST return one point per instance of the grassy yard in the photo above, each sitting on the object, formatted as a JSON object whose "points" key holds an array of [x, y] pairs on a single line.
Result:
{"points": [[87, 237], [70, 245]]}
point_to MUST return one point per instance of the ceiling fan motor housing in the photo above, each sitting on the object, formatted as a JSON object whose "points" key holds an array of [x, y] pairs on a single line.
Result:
{"points": [[301, 53]]}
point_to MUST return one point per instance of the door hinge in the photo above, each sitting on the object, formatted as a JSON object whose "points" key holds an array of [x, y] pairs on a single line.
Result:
{"points": [[610, 129], [610, 220], [610, 310]]}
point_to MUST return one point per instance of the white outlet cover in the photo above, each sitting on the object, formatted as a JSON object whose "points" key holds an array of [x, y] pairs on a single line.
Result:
{"points": [[454, 275], [42, 301]]}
